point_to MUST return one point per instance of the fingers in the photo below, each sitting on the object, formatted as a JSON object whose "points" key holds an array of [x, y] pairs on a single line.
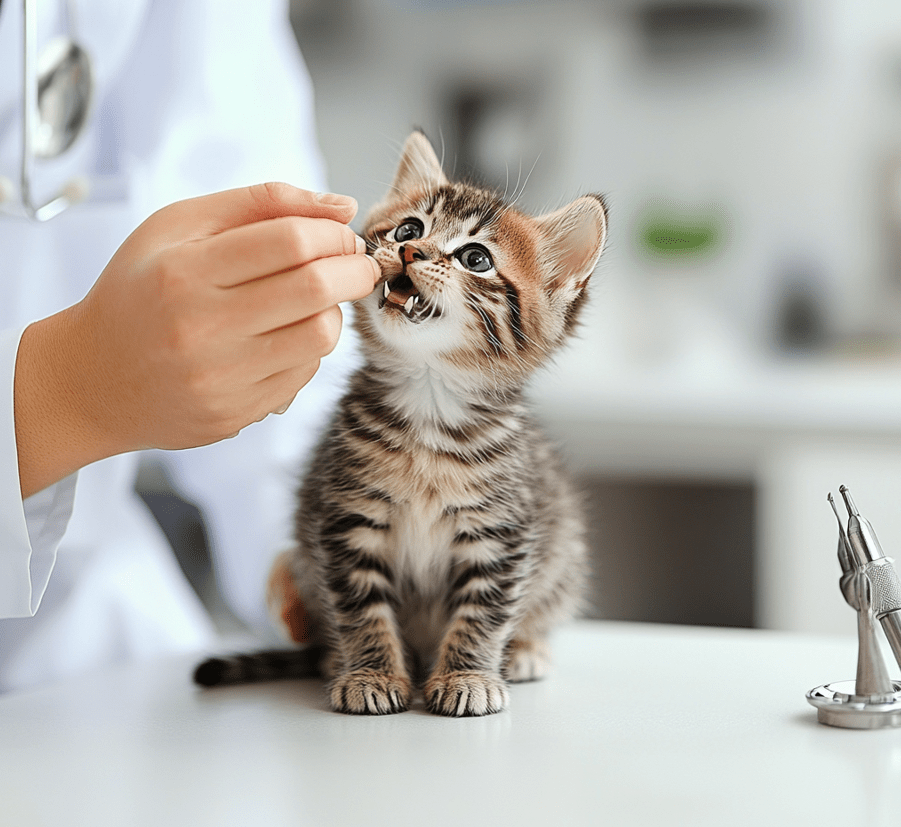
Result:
{"points": [[252, 251], [284, 385], [286, 298], [293, 349], [282, 408], [220, 211], [266, 380]]}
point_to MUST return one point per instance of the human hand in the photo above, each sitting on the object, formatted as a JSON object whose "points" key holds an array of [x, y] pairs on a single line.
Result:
{"points": [[210, 316]]}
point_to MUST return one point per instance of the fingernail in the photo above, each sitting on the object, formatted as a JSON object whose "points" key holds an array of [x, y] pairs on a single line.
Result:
{"points": [[361, 246], [378, 269], [335, 200]]}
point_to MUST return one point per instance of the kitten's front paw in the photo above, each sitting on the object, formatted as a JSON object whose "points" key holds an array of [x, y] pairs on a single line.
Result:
{"points": [[367, 692], [460, 694]]}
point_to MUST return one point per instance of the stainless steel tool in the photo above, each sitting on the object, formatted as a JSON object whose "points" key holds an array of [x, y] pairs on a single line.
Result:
{"points": [[880, 571], [870, 585]]}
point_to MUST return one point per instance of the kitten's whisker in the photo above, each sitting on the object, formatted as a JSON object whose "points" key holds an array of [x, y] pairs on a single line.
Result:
{"points": [[518, 178], [496, 343], [396, 189], [526, 182]]}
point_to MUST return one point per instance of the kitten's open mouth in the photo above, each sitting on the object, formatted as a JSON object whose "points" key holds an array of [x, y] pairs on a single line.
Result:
{"points": [[399, 293]]}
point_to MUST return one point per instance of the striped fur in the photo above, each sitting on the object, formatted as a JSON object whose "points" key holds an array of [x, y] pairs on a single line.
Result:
{"points": [[438, 539]]}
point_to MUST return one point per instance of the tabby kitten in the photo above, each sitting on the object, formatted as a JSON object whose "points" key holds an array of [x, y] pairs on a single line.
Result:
{"points": [[438, 540]]}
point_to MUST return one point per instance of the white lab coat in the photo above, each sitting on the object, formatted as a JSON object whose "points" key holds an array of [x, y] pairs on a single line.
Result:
{"points": [[194, 96]]}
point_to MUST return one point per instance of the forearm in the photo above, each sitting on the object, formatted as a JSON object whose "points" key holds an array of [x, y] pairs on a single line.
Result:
{"points": [[54, 434]]}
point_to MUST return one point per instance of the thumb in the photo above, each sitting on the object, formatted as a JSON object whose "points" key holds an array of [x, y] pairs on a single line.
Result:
{"points": [[219, 211]]}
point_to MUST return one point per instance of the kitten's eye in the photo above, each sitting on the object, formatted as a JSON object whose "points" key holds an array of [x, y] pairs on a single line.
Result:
{"points": [[475, 258], [410, 228]]}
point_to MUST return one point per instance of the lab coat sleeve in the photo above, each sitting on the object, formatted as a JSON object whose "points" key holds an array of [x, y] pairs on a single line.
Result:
{"points": [[30, 531]]}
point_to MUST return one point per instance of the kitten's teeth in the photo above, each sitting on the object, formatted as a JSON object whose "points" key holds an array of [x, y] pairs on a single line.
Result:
{"points": [[387, 291], [408, 304]]}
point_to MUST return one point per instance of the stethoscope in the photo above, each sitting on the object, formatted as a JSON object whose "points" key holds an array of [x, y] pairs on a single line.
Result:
{"points": [[57, 92]]}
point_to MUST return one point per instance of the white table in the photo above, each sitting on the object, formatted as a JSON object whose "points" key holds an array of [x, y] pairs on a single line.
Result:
{"points": [[638, 725]]}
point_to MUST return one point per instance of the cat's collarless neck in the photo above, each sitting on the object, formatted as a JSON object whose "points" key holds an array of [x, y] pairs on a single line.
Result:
{"points": [[426, 396]]}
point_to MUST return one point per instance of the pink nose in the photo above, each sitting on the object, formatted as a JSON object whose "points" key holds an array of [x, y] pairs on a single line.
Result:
{"points": [[410, 253]]}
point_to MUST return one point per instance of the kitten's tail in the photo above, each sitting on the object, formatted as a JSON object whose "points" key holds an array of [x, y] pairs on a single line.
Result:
{"points": [[256, 667]]}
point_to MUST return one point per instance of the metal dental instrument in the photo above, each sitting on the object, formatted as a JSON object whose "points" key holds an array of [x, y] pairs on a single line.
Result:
{"points": [[872, 676], [880, 572], [870, 586]]}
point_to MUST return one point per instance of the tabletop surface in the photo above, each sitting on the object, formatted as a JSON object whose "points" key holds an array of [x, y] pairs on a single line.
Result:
{"points": [[638, 724]]}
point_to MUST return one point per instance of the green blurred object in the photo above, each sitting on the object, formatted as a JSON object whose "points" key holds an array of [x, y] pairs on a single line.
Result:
{"points": [[676, 235]]}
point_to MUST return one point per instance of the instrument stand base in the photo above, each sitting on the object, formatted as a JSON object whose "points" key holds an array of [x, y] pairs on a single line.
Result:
{"points": [[838, 706]]}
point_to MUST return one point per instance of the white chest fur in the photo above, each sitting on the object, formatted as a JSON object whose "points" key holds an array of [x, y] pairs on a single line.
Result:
{"points": [[420, 544], [421, 554], [427, 396]]}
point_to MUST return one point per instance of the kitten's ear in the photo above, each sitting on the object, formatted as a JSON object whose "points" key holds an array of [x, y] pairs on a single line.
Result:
{"points": [[419, 168], [572, 239]]}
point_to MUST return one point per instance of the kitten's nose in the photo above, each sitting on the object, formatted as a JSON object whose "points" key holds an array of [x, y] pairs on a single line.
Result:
{"points": [[410, 253]]}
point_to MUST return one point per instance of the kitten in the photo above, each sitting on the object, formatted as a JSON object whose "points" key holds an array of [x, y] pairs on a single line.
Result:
{"points": [[438, 540]]}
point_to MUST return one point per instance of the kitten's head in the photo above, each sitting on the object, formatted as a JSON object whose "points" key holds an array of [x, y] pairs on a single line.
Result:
{"points": [[469, 280]]}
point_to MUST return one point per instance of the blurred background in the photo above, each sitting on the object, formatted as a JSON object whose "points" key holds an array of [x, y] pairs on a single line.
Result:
{"points": [[742, 352]]}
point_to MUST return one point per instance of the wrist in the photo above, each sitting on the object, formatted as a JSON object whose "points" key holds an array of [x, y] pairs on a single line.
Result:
{"points": [[57, 432]]}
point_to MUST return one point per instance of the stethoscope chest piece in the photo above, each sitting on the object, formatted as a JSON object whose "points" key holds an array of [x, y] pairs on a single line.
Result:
{"points": [[57, 96], [65, 85]]}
